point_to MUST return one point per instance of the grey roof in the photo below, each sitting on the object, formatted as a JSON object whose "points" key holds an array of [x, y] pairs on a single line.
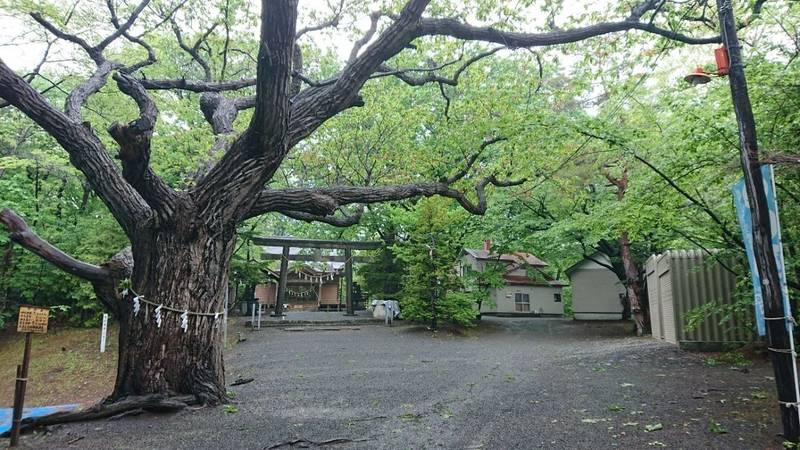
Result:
{"points": [[517, 257], [600, 256]]}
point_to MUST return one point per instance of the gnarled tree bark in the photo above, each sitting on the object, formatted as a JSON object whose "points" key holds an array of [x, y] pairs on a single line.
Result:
{"points": [[182, 242]]}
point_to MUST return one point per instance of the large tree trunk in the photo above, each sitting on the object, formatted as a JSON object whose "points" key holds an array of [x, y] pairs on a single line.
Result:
{"points": [[186, 275], [633, 287], [184, 269]]}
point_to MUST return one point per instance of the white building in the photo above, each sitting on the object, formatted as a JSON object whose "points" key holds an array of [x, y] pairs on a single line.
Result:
{"points": [[597, 293], [528, 290]]}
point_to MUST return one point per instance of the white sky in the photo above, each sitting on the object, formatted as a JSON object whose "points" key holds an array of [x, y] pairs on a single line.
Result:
{"points": [[25, 52], [22, 47]]}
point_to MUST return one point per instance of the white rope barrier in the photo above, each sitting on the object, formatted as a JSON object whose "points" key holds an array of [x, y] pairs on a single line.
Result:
{"points": [[159, 308]]}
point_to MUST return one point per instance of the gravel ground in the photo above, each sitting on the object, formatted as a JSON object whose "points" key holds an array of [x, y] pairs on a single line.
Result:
{"points": [[512, 383]]}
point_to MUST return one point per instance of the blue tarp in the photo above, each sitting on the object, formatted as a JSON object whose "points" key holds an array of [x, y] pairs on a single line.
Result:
{"points": [[37, 411]]}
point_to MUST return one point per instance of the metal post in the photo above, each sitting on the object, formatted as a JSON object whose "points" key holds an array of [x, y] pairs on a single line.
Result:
{"points": [[348, 273], [284, 275], [19, 392], [778, 336]]}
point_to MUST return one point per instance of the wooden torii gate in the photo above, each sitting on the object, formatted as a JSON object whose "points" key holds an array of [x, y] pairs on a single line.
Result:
{"points": [[286, 243]]}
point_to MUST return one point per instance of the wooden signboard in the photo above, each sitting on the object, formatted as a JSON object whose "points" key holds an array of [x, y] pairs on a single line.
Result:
{"points": [[33, 319]]}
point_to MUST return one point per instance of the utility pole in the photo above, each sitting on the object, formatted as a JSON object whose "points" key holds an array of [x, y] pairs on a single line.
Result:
{"points": [[778, 338]]}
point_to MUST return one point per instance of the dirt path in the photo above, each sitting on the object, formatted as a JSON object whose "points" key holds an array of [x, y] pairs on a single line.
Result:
{"points": [[516, 383]]}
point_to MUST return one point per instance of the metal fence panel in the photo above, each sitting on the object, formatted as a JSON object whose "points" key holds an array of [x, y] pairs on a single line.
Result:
{"points": [[680, 281]]}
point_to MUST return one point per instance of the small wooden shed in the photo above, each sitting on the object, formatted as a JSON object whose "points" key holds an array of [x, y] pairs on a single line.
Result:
{"points": [[597, 293], [680, 281]]}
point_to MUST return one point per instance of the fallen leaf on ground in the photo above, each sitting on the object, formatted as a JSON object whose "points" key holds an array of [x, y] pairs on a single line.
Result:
{"points": [[653, 427]]}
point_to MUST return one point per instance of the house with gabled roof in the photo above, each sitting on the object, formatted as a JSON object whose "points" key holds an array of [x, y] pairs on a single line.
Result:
{"points": [[597, 293], [528, 290]]}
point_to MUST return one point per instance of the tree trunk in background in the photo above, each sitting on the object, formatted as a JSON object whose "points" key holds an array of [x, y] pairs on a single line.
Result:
{"points": [[633, 287], [186, 275]]}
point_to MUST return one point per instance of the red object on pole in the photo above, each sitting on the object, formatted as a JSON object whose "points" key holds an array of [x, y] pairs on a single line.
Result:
{"points": [[699, 76], [723, 66]]}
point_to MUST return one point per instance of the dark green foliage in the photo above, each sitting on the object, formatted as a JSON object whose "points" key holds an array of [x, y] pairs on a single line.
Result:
{"points": [[432, 290], [382, 277]]}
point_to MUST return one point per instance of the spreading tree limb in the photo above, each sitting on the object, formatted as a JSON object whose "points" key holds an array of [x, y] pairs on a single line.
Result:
{"points": [[20, 233]]}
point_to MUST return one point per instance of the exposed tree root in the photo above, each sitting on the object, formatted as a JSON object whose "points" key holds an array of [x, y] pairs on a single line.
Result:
{"points": [[241, 381], [305, 443], [158, 403]]}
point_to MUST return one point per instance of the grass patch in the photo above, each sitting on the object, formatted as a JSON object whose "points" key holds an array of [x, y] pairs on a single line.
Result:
{"points": [[733, 358], [66, 366]]}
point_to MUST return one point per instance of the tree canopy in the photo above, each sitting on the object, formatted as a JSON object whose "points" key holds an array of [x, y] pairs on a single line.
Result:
{"points": [[174, 126]]}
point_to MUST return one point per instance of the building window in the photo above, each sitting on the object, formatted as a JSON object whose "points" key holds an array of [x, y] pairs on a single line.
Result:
{"points": [[522, 302], [557, 297]]}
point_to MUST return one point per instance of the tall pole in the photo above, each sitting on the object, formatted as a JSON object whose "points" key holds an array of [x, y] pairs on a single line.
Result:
{"points": [[348, 273], [778, 337], [19, 392], [282, 281]]}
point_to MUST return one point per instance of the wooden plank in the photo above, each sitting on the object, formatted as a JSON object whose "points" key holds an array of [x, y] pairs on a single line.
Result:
{"points": [[315, 258], [316, 243], [319, 328]]}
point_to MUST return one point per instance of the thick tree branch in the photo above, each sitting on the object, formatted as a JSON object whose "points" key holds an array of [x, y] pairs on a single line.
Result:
{"points": [[460, 30], [315, 105], [198, 86], [86, 151], [256, 154], [321, 202], [20, 233], [326, 201], [104, 278], [134, 148], [78, 97], [343, 221]]}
